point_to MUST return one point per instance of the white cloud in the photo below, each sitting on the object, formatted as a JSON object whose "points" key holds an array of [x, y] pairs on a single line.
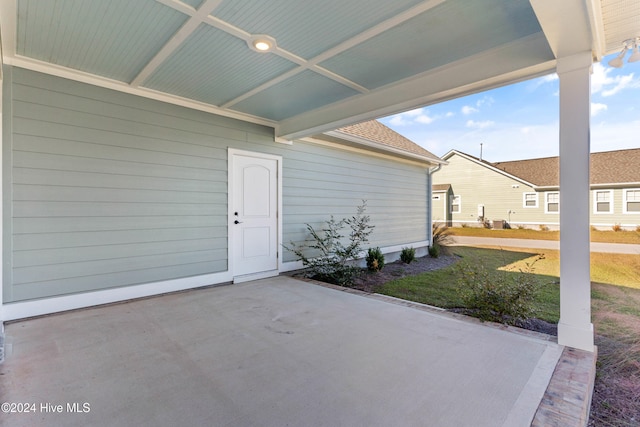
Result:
{"points": [[606, 85], [621, 82], [424, 119], [479, 125], [536, 83], [467, 109], [419, 115], [486, 101], [607, 136], [450, 114], [397, 120], [597, 108]]}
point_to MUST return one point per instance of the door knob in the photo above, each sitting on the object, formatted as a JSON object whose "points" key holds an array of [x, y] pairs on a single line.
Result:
{"points": [[237, 222]]}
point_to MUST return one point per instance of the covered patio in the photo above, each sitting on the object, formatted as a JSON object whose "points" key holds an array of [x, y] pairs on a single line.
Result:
{"points": [[277, 352], [282, 351]]}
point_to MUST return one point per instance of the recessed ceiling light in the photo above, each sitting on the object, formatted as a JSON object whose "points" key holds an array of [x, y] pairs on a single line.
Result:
{"points": [[262, 43]]}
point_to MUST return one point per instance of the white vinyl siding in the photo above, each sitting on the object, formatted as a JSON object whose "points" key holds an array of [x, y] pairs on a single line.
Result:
{"points": [[530, 200], [603, 202], [552, 202], [632, 201], [456, 204]]}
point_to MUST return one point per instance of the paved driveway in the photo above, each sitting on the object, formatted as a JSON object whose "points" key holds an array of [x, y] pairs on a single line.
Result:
{"points": [[615, 248], [274, 352]]}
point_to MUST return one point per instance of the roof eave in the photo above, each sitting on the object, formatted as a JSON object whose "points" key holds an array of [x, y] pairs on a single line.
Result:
{"points": [[488, 166], [381, 147]]}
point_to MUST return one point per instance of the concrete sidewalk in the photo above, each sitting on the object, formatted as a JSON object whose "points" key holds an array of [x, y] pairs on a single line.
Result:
{"points": [[616, 248], [272, 352]]}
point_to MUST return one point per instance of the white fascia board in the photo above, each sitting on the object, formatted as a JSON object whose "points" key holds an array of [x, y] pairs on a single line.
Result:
{"points": [[373, 144], [501, 172], [495, 68], [80, 76], [616, 185], [366, 151]]}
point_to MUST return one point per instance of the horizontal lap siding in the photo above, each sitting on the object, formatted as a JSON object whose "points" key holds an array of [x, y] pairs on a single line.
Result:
{"points": [[320, 181], [618, 216], [110, 190], [477, 184]]}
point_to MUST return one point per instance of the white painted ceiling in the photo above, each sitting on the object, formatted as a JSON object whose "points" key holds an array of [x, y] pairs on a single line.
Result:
{"points": [[336, 62]]}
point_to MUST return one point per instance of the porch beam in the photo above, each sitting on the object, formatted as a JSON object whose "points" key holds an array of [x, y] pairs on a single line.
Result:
{"points": [[575, 328]]}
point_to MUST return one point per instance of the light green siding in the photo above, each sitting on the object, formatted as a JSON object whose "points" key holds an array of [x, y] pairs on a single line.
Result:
{"points": [[104, 189], [478, 185], [500, 194], [320, 181], [619, 215]]}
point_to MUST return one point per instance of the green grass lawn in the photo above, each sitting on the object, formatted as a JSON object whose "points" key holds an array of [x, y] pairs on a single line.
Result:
{"points": [[603, 236], [439, 287], [615, 308]]}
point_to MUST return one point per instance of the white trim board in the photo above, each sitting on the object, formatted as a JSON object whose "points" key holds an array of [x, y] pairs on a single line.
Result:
{"points": [[39, 307]]}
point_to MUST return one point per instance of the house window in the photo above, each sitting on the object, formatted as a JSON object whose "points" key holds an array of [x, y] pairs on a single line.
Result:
{"points": [[456, 204], [552, 204], [632, 201], [530, 200], [436, 197], [602, 201]]}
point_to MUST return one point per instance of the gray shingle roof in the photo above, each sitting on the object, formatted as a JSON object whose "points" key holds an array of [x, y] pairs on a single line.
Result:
{"points": [[375, 131]]}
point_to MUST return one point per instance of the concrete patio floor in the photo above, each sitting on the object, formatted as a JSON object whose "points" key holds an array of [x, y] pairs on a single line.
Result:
{"points": [[273, 352]]}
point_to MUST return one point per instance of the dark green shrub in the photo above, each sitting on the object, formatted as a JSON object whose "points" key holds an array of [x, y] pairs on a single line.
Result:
{"points": [[375, 259], [434, 250], [337, 251], [504, 297], [408, 255]]}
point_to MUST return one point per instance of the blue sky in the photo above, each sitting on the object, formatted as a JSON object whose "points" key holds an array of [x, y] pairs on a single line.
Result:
{"points": [[521, 121]]}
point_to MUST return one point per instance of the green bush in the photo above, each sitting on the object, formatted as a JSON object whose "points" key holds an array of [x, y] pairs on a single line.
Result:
{"points": [[337, 251], [408, 255], [504, 297], [375, 259], [434, 250]]}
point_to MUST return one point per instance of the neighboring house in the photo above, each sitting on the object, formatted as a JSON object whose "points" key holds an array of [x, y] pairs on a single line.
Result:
{"points": [[111, 191], [526, 192]]}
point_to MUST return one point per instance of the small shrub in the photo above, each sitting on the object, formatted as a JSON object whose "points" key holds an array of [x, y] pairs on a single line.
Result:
{"points": [[434, 250], [593, 228], [521, 227], [408, 255], [375, 259], [616, 227], [464, 225], [543, 227], [498, 297], [337, 251], [637, 228]]}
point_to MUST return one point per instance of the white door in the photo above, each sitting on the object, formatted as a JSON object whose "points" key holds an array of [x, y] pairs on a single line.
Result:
{"points": [[254, 214]]}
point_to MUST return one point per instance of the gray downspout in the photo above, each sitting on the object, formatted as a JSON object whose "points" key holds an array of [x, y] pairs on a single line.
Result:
{"points": [[430, 171]]}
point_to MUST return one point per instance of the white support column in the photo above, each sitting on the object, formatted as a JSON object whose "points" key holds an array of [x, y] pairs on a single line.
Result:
{"points": [[575, 328], [429, 218]]}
